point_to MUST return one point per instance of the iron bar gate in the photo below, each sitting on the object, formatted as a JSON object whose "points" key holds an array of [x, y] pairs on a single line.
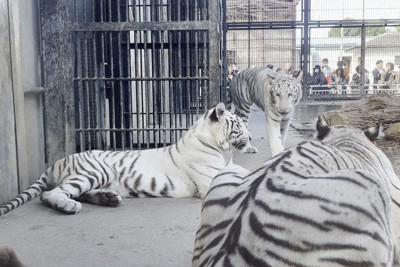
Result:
{"points": [[145, 70]]}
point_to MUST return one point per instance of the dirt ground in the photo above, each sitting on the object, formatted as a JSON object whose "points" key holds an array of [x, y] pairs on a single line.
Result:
{"points": [[392, 151], [141, 232]]}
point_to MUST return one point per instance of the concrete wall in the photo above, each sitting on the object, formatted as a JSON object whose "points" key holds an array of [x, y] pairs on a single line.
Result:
{"points": [[21, 107]]}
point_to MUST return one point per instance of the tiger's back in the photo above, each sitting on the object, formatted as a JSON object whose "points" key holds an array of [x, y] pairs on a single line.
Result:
{"points": [[313, 205]]}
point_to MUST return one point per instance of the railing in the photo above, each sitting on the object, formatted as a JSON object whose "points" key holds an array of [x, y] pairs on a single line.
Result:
{"points": [[346, 91]]}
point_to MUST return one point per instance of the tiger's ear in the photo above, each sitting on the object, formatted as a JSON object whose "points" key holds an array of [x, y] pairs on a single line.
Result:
{"points": [[372, 132], [323, 128], [217, 112]]}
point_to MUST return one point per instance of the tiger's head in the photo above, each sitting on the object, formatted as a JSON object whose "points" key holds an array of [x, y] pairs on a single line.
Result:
{"points": [[286, 92], [360, 144], [334, 134], [228, 129]]}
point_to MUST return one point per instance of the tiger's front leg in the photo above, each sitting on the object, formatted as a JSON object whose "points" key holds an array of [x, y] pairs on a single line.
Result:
{"points": [[285, 123], [274, 135]]}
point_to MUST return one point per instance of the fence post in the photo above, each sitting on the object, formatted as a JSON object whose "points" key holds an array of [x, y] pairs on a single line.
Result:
{"points": [[215, 58], [305, 47], [362, 62]]}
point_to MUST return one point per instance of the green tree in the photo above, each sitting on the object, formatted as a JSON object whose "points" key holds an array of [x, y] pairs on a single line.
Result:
{"points": [[371, 31]]}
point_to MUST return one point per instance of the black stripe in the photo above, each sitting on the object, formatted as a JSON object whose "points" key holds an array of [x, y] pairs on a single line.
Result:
{"points": [[170, 182], [147, 194], [222, 185], [334, 156], [329, 210], [347, 262], [75, 185], [224, 202], [133, 193], [137, 182], [360, 211], [219, 226], [395, 202], [134, 161], [313, 158], [27, 194], [291, 216], [348, 228], [258, 229], [172, 158], [210, 245], [294, 193], [207, 145], [284, 260], [164, 192], [250, 259], [333, 246], [153, 183]]}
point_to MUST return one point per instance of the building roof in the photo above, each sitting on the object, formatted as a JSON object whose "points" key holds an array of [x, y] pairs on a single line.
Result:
{"points": [[386, 40]]}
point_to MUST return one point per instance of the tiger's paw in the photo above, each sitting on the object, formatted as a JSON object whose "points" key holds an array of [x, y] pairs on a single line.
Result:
{"points": [[251, 149], [61, 203], [103, 197], [109, 198]]}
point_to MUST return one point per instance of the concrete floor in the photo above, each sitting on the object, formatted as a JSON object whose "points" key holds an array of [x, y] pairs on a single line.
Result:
{"points": [[141, 232]]}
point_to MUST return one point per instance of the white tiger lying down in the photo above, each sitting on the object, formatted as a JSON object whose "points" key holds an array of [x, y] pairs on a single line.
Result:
{"points": [[320, 203], [184, 169]]}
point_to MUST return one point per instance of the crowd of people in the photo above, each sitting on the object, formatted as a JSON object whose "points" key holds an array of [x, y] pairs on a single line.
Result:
{"points": [[327, 80], [324, 80]]}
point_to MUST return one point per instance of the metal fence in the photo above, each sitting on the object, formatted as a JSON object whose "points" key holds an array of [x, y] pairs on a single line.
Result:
{"points": [[144, 70], [295, 34], [127, 74]]}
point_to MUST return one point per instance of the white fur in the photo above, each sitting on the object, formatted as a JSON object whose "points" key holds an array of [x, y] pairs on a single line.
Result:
{"points": [[184, 169], [307, 198], [276, 93]]}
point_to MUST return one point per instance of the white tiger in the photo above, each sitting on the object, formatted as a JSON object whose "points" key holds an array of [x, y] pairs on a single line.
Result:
{"points": [[184, 169], [320, 203], [275, 92]]}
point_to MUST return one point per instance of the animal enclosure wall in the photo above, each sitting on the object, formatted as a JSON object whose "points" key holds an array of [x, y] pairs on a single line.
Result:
{"points": [[21, 106]]}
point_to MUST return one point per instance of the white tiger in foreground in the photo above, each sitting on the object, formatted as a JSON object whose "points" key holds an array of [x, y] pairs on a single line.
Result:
{"points": [[184, 169], [276, 93], [320, 203]]}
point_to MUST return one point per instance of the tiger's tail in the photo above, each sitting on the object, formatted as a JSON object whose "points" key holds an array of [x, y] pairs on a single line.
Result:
{"points": [[36, 189]]}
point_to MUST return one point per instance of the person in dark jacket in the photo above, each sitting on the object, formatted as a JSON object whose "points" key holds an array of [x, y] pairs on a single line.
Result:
{"points": [[318, 78]]}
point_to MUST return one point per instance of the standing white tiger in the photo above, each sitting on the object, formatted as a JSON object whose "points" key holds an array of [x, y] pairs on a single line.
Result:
{"points": [[276, 93], [320, 203], [184, 169]]}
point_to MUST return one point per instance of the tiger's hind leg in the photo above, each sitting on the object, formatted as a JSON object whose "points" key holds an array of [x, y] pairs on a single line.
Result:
{"points": [[60, 200], [103, 197], [62, 197]]}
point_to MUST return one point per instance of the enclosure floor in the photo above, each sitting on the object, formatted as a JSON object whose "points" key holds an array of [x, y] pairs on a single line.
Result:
{"points": [[141, 232]]}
